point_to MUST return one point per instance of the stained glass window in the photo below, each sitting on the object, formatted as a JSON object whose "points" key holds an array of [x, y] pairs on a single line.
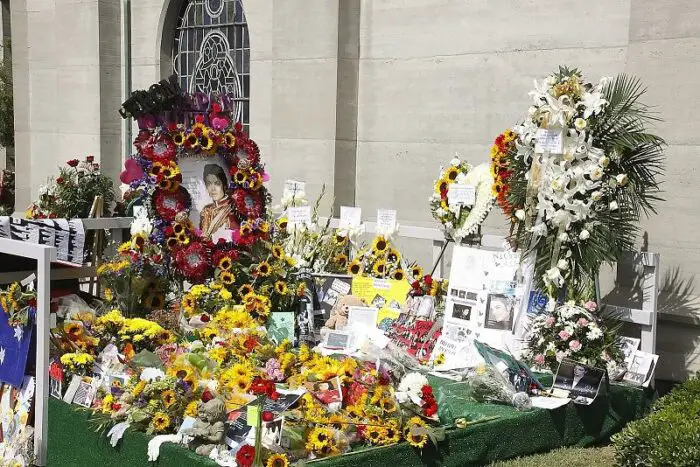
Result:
{"points": [[212, 52]]}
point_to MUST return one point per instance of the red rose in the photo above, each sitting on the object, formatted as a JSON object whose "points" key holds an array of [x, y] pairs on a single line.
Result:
{"points": [[245, 456], [73, 162], [90, 158], [428, 280], [60, 180], [204, 318], [267, 416], [52, 216], [216, 108], [207, 396], [116, 407], [199, 118], [416, 285], [430, 410]]}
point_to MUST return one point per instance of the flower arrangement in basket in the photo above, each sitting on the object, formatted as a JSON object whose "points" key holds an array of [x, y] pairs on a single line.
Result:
{"points": [[461, 199], [73, 192], [574, 332]]}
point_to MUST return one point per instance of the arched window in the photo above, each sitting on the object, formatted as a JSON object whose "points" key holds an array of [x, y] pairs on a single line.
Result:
{"points": [[211, 52]]}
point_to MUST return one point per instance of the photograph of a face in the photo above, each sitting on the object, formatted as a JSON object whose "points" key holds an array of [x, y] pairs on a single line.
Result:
{"points": [[462, 311], [500, 310], [207, 181], [582, 382]]}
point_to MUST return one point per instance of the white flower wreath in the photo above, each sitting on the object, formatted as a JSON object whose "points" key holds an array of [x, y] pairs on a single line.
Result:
{"points": [[459, 220]]}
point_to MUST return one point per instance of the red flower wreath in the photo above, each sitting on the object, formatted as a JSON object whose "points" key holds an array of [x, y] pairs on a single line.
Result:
{"points": [[141, 139], [247, 203], [246, 153], [159, 147], [193, 261], [168, 204]]}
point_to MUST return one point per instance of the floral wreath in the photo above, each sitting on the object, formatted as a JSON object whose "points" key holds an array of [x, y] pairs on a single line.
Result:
{"points": [[458, 220], [155, 180], [502, 148]]}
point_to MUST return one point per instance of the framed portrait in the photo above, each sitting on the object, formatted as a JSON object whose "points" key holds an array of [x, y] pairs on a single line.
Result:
{"points": [[500, 311]]}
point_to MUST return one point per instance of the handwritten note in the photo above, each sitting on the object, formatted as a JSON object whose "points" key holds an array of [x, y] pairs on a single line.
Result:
{"points": [[462, 195], [350, 217], [299, 216], [294, 186], [548, 140], [386, 220]]}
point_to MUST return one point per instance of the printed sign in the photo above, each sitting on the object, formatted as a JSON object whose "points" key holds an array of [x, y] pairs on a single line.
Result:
{"points": [[548, 140]]}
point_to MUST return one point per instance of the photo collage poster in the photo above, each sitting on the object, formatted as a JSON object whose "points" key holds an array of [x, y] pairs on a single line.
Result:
{"points": [[486, 299], [387, 295]]}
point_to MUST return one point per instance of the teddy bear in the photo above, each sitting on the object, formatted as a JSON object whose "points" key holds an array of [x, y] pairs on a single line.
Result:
{"points": [[339, 312]]}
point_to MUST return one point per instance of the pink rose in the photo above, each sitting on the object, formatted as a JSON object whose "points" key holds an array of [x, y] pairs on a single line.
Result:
{"points": [[539, 359], [591, 306], [575, 345], [563, 335], [583, 322], [549, 322]]}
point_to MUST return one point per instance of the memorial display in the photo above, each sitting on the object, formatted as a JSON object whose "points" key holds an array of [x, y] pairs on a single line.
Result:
{"points": [[255, 333]]}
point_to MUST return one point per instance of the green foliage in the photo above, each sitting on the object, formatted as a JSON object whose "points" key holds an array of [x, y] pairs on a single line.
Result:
{"points": [[670, 435], [7, 115]]}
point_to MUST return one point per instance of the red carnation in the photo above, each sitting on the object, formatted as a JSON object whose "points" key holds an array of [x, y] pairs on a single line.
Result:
{"points": [[267, 416], [428, 280], [73, 162], [427, 390], [199, 118], [204, 318], [90, 158], [245, 456], [430, 409], [207, 396], [60, 180]]}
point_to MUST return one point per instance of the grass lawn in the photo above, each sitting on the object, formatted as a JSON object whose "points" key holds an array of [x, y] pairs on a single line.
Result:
{"points": [[570, 457]]}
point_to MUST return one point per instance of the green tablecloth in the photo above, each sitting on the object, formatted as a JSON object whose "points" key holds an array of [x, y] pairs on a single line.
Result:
{"points": [[73, 443]]}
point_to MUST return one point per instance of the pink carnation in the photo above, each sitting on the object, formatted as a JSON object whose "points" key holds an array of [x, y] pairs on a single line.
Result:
{"points": [[583, 322], [549, 322], [575, 345], [539, 359], [591, 306], [563, 335]]}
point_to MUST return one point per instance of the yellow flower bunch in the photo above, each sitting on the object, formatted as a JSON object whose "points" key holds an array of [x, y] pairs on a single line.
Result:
{"points": [[140, 329], [77, 362], [323, 441], [237, 378], [258, 306], [192, 409], [416, 432], [229, 318]]}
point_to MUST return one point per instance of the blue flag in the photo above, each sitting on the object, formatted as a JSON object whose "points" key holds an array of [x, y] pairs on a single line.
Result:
{"points": [[14, 349]]}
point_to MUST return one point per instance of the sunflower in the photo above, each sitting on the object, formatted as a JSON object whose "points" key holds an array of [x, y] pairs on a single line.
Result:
{"points": [[380, 244], [264, 227], [188, 303], [451, 173], [388, 404], [319, 437], [282, 223], [191, 141], [227, 278], [441, 185], [379, 267], [73, 328], [171, 242], [263, 269], [225, 263], [277, 251], [241, 384], [246, 229], [179, 139], [355, 267], [375, 434], [168, 398], [392, 434], [210, 332], [281, 287], [277, 460], [337, 421], [440, 359], [341, 260], [393, 256], [416, 272], [398, 275], [340, 239], [229, 140], [415, 432], [180, 371], [160, 422], [355, 412], [245, 289], [138, 240], [301, 289], [240, 177]]}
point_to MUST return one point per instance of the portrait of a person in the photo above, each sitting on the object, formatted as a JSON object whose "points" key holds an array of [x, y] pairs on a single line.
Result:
{"points": [[219, 213], [499, 314]]}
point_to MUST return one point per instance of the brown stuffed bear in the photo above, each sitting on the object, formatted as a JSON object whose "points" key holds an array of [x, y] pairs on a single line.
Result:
{"points": [[339, 312]]}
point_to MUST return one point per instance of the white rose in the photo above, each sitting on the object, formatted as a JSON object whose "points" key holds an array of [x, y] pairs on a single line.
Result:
{"points": [[563, 264], [596, 173], [580, 124], [520, 214], [622, 179], [584, 234], [613, 206], [604, 161], [596, 195], [455, 162], [563, 237]]}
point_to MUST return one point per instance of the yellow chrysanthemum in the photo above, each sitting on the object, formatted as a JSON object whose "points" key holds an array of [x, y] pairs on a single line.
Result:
{"points": [[107, 403], [138, 389], [440, 359], [224, 294], [109, 295]]}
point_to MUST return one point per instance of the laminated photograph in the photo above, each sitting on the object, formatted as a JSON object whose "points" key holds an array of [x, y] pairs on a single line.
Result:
{"points": [[500, 312], [640, 369], [629, 346], [577, 381]]}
